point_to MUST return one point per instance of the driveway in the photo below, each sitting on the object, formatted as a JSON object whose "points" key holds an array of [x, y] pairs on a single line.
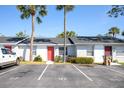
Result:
{"points": [[62, 76]]}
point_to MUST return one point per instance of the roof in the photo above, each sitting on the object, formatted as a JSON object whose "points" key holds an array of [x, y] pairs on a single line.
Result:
{"points": [[96, 39], [36, 40], [47, 41], [9, 39], [74, 40]]}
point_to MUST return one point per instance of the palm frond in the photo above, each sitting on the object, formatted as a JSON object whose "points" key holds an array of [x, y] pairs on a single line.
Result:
{"points": [[38, 20], [28, 10], [59, 7], [69, 7]]}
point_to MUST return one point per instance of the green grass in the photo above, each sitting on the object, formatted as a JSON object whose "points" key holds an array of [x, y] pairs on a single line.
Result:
{"points": [[61, 63], [28, 62], [122, 63], [37, 63]]}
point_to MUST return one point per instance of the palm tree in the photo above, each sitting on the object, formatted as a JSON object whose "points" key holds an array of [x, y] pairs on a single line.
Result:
{"points": [[21, 34], [68, 34], [35, 11], [113, 31], [66, 9]]}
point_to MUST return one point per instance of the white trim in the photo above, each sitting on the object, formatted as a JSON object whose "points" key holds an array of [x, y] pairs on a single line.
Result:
{"points": [[8, 43]]}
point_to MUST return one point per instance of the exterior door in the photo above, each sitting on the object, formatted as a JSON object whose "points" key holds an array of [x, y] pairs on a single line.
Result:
{"points": [[50, 53], [108, 50]]}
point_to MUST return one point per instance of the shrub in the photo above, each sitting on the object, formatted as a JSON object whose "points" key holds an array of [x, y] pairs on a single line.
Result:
{"points": [[38, 58], [58, 59], [71, 59], [115, 61], [21, 58], [81, 60]]}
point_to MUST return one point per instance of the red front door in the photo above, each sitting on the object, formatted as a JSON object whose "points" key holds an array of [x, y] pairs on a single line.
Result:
{"points": [[50, 53], [108, 51]]}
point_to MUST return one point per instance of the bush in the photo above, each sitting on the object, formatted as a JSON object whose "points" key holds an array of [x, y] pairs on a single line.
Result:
{"points": [[38, 58], [21, 58], [81, 60], [71, 59], [115, 61], [58, 59]]}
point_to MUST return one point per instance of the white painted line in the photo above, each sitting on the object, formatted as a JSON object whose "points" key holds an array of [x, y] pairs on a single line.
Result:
{"points": [[83, 73], [8, 71], [43, 72], [115, 71]]}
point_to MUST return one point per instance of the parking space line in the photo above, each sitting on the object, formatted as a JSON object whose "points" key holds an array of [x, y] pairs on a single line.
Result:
{"points": [[114, 70], [8, 71], [41, 75], [83, 73]]}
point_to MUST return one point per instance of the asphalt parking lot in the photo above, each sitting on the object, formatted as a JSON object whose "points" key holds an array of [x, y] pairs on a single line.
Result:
{"points": [[62, 76]]}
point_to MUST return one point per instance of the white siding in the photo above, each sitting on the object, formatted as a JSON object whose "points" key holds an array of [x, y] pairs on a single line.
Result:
{"points": [[56, 51], [81, 51], [98, 53], [115, 56], [71, 50], [42, 51], [24, 52]]}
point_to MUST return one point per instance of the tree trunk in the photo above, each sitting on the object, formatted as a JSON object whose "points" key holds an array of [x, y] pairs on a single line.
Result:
{"points": [[64, 34], [32, 39]]}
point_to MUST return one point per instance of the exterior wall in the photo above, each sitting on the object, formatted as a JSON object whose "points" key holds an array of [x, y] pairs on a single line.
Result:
{"points": [[22, 51], [115, 48], [81, 51], [98, 53], [42, 51], [71, 50]]}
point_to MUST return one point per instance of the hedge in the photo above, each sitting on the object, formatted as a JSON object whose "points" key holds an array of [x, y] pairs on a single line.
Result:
{"points": [[81, 60]]}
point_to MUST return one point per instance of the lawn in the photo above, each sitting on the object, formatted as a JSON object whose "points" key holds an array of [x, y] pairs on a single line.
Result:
{"points": [[122, 63], [28, 62]]}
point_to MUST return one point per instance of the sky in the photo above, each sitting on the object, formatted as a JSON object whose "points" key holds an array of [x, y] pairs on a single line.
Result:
{"points": [[84, 20]]}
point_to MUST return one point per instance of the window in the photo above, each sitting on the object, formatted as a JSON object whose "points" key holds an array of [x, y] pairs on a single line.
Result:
{"points": [[9, 51], [6, 51], [34, 50], [90, 51], [61, 51], [119, 52]]}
